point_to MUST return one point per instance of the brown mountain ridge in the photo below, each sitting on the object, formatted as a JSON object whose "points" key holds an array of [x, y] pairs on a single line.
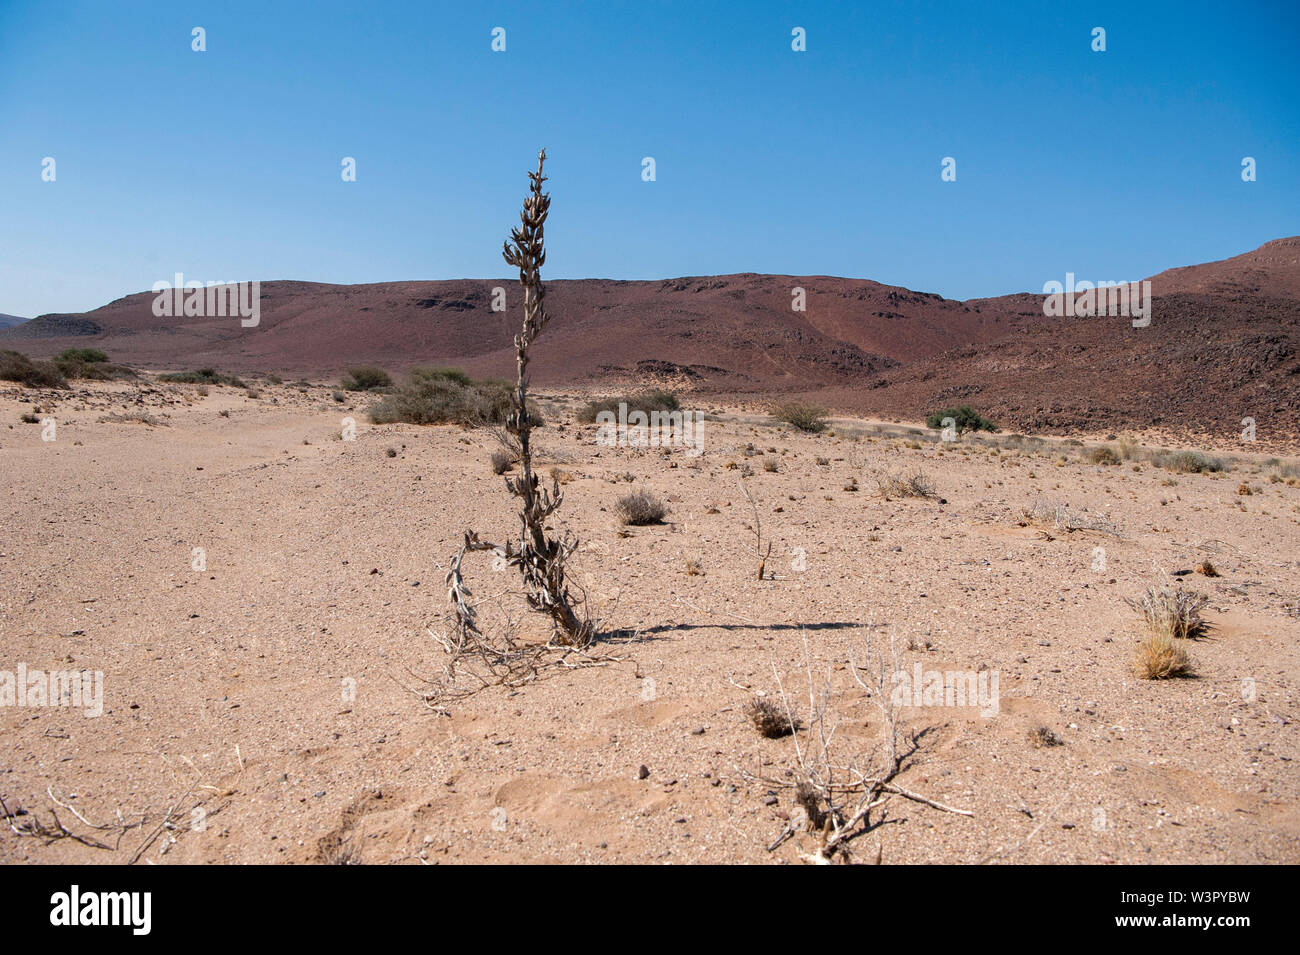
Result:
{"points": [[1223, 343]]}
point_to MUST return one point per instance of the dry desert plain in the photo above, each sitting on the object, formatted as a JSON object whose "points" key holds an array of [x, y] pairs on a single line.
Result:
{"points": [[230, 731]]}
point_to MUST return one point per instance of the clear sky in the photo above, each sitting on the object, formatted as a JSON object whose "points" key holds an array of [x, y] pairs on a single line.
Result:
{"points": [[225, 164]]}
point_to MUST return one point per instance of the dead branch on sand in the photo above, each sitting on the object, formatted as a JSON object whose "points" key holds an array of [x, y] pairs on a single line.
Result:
{"points": [[833, 798]]}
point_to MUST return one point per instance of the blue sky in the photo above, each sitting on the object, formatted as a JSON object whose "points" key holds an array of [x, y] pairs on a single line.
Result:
{"points": [[225, 165]]}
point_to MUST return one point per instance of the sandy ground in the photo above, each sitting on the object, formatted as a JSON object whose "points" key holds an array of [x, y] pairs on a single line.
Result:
{"points": [[230, 731]]}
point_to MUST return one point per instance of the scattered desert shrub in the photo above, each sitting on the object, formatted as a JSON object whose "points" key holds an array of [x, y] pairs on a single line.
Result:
{"points": [[447, 396], [96, 371], [965, 417], [203, 376], [1171, 611], [770, 718], [640, 508], [96, 368], [89, 356], [770, 465], [1069, 519], [809, 418], [656, 399], [365, 378], [903, 485], [15, 366], [1160, 658], [338, 396], [28, 418], [1042, 736], [135, 417], [502, 461], [1104, 455], [1190, 462]]}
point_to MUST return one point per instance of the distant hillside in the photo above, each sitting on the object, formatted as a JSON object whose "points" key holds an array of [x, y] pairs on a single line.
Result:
{"points": [[736, 332], [1223, 343], [8, 321]]}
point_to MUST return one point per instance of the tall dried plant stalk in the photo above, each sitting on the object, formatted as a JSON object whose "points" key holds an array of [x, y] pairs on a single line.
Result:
{"points": [[539, 557]]}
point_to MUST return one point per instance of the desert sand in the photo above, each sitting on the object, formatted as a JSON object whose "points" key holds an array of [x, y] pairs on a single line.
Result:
{"points": [[268, 707]]}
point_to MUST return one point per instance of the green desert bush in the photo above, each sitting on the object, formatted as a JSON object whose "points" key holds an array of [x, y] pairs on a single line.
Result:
{"points": [[15, 366], [203, 376], [810, 418], [90, 356], [90, 364], [447, 396], [445, 374], [365, 378], [656, 399], [965, 417]]}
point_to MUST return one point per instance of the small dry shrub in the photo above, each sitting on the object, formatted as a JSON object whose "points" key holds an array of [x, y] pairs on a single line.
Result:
{"points": [[1171, 611], [1207, 569], [502, 461], [770, 718], [640, 508], [1041, 736], [770, 465], [1104, 455], [1159, 657], [904, 485], [133, 417], [1190, 462]]}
